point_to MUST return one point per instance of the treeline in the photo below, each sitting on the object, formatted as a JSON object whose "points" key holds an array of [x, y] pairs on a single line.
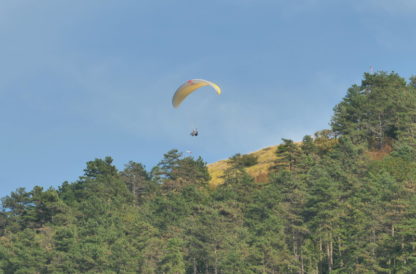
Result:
{"points": [[341, 201]]}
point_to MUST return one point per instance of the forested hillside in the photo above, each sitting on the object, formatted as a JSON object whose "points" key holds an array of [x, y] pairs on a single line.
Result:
{"points": [[341, 201]]}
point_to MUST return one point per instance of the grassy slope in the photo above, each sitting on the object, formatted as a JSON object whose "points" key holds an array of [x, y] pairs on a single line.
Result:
{"points": [[265, 158]]}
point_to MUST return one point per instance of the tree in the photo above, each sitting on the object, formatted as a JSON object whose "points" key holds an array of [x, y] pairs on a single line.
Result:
{"points": [[308, 146], [172, 261], [377, 111], [164, 169], [287, 154], [16, 208], [100, 167], [242, 161], [191, 171], [138, 181], [293, 198], [175, 172]]}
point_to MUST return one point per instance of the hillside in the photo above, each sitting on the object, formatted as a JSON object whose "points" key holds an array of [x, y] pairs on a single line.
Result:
{"points": [[265, 159], [341, 201], [260, 171]]}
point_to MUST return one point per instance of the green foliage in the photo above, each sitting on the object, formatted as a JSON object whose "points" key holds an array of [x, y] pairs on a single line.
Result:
{"points": [[172, 261], [175, 172], [138, 181], [242, 161], [288, 154], [308, 146], [99, 167], [380, 110], [165, 169]]}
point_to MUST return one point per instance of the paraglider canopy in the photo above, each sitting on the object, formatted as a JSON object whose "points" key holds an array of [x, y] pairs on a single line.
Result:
{"points": [[190, 86]]}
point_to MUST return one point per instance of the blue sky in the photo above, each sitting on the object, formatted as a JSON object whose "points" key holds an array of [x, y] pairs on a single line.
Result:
{"points": [[87, 79]]}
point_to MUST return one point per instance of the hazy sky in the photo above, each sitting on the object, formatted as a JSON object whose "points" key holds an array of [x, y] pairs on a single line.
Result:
{"points": [[87, 79]]}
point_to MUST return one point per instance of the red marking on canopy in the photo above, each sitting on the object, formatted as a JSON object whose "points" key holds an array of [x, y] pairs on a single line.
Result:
{"points": [[190, 82]]}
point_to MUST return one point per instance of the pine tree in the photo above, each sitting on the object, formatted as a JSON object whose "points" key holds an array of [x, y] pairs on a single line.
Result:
{"points": [[173, 261], [288, 154], [377, 112], [138, 181]]}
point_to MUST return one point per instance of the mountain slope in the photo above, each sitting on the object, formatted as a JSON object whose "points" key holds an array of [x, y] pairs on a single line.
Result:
{"points": [[260, 171]]}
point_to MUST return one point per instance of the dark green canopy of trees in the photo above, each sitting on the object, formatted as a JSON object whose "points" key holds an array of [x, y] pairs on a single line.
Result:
{"points": [[342, 201]]}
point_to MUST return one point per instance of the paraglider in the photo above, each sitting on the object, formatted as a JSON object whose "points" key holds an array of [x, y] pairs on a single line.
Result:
{"points": [[187, 88], [190, 86]]}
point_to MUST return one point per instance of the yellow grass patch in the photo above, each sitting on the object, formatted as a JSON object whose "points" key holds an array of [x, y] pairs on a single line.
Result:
{"points": [[260, 171], [379, 154]]}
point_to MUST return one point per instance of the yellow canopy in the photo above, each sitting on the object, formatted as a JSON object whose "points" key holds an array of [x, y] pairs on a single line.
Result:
{"points": [[190, 86]]}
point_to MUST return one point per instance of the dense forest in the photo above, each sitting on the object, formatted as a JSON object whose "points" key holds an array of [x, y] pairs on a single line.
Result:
{"points": [[341, 201]]}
